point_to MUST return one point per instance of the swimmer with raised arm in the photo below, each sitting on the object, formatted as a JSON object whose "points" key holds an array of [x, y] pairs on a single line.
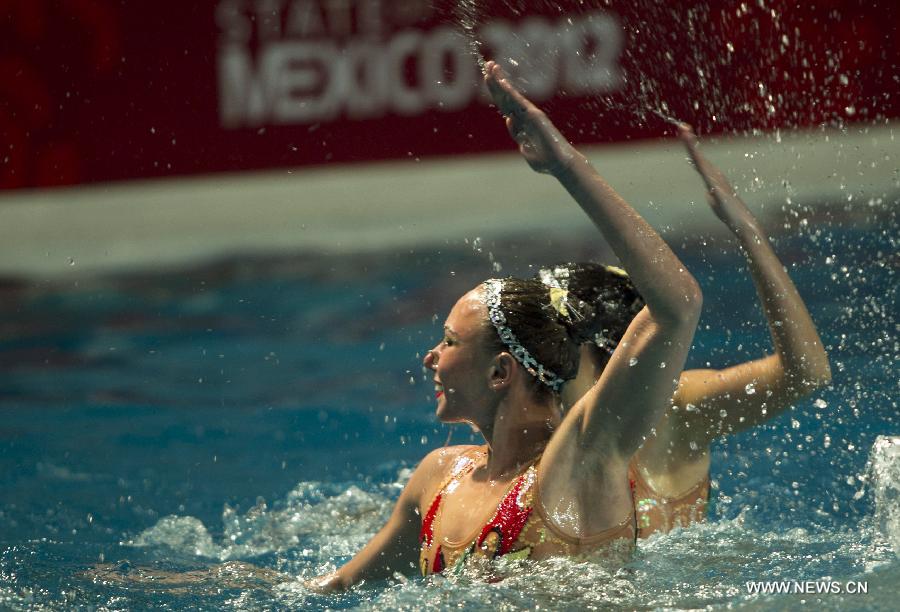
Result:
{"points": [[670, 472], [540, 486]]}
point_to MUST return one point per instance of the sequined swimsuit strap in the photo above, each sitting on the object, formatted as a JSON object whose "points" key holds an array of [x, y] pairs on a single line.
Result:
{"points": [[462, 465]]}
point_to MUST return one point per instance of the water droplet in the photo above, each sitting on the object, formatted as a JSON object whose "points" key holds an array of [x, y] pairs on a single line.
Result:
{"points": [[691, 408], [723, 413], [795, 424], [662, 364], [750, 389], [71, 261], [412, 380], [820, 403], [632, 362]]}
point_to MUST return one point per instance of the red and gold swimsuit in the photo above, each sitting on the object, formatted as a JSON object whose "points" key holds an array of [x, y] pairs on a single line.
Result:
{"points": [[516, 528]]}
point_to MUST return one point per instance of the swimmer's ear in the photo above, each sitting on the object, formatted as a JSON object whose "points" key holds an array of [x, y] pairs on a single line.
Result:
{"points": [[501, 371]]}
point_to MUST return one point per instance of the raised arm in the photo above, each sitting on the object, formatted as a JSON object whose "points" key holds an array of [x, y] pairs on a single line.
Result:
{"points": [[799, 364], [637, 384]]}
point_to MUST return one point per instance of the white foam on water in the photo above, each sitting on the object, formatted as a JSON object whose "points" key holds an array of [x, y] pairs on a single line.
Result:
{"points": [[336, 520], [884, 472], [318, 526], [183, 533]]}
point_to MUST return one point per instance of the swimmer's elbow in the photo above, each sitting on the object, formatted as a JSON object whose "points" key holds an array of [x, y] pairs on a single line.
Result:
{"points": [[818, 376], [693, 298], [821, 374], [825, 380], [811, 370], [807, 375], [684, 310]]}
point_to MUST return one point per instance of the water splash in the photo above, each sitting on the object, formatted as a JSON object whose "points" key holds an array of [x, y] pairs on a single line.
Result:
{"points": [[468, 17], [884, 472], [309, 513]]}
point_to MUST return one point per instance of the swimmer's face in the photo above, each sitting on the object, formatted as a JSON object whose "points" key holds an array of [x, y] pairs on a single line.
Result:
{"points": [[461, 363]]}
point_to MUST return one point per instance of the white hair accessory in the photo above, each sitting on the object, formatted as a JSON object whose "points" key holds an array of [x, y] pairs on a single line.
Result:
{"points": [[492, 290]]}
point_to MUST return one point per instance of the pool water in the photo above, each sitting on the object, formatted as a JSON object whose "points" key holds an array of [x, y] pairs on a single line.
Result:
{"points": [[207, 439]]}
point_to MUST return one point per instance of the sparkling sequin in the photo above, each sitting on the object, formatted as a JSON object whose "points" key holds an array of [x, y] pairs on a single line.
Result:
{"points": [[657, 513], [510, 518]]}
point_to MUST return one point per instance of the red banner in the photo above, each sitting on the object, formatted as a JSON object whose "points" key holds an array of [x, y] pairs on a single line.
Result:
{"points": [[97, 90]]}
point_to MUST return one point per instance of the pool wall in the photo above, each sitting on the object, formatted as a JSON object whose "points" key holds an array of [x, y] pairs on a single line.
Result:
{"points": [[170, 223]]}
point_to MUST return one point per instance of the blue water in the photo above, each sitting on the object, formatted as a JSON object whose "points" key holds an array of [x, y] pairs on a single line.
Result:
{"points": [[264, 413]]}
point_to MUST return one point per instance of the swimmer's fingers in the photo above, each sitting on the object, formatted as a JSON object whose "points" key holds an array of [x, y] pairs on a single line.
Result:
{"points": [[689, 139], [716, 182], [515, 129], [509, 100], [541, 144], [519, 128], [329, 583], [721, 196]]}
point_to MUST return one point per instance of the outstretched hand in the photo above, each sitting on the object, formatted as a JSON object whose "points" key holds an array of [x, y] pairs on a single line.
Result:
{"points": [[721, 195], [541, 144], [329, 583]]}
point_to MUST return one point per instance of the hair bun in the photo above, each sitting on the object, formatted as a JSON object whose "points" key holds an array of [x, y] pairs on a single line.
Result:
{"points": [[573, 313], [600, 300]]}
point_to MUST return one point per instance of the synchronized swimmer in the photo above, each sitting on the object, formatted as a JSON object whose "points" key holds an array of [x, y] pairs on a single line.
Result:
{"points": [[670, 472], [542, 485], [630, 454]]}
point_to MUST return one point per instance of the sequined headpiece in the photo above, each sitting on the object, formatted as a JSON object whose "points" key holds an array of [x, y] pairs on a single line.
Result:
{"points": [[492, 290]]}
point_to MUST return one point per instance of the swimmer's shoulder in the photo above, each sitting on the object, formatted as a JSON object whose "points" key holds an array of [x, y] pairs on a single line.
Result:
{"points": [[436, 466], [440, 460]]}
